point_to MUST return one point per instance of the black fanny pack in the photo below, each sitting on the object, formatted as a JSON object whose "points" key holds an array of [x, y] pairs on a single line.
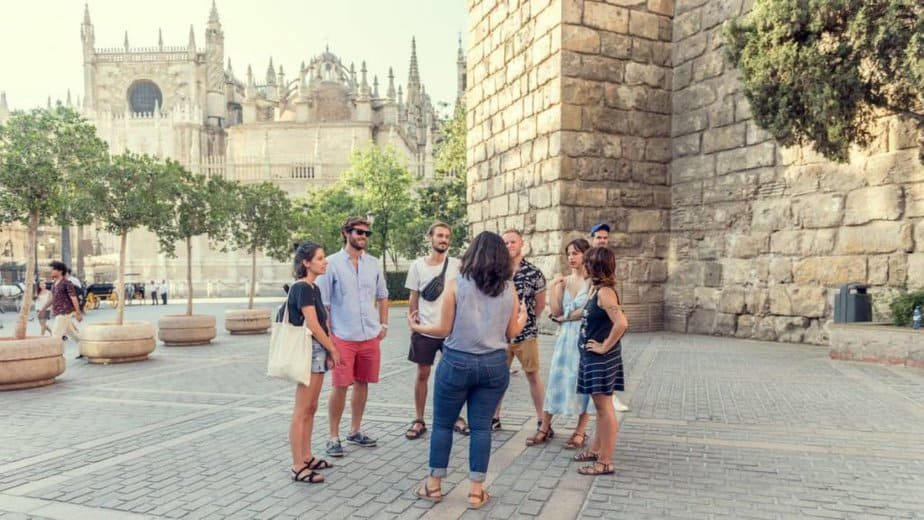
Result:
{"points": [[434, 288]]}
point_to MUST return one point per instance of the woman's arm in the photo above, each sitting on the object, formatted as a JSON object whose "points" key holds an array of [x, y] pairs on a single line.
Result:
{"points": [[517, 318], [609, 302], [558, 293], [447, 315], [314, 325]]}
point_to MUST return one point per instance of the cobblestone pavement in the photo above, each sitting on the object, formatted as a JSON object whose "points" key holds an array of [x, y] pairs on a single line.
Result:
{"points": [[719, 428]]}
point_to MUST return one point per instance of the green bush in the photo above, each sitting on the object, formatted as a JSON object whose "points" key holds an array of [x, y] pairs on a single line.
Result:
{"points": [[902, 306], [396, 289]]}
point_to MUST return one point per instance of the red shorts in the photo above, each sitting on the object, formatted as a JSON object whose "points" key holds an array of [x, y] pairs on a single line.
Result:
{"points": [[361, 360]]}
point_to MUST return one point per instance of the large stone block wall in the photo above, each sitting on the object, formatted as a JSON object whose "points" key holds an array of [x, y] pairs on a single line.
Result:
{"points": [[762, 236], [625, 111]]}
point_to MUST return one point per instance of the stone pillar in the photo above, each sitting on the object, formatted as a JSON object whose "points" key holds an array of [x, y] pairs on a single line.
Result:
{"points": [[569, 125]]}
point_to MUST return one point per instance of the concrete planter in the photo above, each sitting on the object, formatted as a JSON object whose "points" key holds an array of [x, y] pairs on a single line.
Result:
{"points": [[182, 330], [248, 321], [877, 343], [110, 343], [30, 362]]}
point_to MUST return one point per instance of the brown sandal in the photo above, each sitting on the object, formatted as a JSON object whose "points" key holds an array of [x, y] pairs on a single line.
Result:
{"points": [[415, 433], [541, 437], [597, 468], [585, 456], [573, 444], [426, 493], [483, 498]]}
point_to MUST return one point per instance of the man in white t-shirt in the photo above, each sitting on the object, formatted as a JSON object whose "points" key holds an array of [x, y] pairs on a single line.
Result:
{"points": [[427, 301]]}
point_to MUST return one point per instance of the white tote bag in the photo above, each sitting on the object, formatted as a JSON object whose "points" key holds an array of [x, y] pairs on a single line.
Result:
{"points": [[290, 350]]}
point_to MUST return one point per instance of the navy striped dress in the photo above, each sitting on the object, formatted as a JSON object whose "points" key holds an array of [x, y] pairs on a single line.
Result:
{"points": [[598, 373]]}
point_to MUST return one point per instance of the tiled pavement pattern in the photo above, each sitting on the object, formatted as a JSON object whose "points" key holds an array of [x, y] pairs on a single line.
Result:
{"points": [[719, 428]]}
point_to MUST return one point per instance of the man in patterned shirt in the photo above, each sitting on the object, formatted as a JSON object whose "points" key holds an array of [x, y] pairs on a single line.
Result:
{"points": [[530, 285], [63, 303]]}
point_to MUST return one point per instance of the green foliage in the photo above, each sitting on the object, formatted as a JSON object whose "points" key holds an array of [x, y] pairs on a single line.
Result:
{"points": [[198, 205], [903, 304], [262, 217], [820, 71], [380, 184], [47, 156], [320, 213], [396, 288], [130, 192]]}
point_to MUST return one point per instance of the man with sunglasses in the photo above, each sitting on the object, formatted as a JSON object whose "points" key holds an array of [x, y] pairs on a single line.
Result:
{"points": [[356, 297]]}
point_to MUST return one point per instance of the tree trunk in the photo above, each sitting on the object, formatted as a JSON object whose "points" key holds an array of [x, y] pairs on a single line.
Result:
{"points": [[66, 245], [31, 247], [189, 287], [253, 276], [80, 254], [120, 284]]}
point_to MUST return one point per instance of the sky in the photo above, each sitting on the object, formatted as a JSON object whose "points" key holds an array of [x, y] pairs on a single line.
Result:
{"points": [[40, 47]]}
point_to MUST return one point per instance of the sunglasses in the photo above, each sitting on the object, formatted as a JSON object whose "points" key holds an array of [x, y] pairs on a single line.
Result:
{"points": [[362, 232]]}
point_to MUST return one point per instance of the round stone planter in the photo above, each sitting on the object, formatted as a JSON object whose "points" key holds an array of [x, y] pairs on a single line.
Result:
{"points": [[248, 321], [182, 330], [30, 362], [110, 343]]}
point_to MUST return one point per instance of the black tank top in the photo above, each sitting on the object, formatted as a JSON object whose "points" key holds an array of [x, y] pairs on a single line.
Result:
{"points": [[596, 324]]}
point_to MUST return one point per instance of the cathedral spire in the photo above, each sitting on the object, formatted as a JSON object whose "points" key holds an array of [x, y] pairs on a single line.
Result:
{"points": [[364, 85], [160, 39], [192, 39], [69, 98], [375, 87], [391, 85], [213, 16], [3, 105], [86, 14], [413, 72], [126, 40], [271, 73]]}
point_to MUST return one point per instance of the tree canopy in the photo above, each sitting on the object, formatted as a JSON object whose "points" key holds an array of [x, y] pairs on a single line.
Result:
{"points": [[820, 71]]}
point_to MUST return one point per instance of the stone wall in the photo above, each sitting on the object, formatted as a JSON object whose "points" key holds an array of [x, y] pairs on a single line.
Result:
{"points": [[762, 235]]}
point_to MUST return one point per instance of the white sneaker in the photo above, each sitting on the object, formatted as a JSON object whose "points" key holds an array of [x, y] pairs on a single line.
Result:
{"points": [[617, 404]]}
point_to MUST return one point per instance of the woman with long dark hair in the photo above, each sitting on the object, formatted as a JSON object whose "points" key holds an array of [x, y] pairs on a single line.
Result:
{"points": [[569, 295], [304, 308], [600, 372], [480, 311]]}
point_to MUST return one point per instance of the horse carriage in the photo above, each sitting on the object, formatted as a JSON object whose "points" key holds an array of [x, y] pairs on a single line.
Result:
{"points": [[11, 297], [99, 292]]}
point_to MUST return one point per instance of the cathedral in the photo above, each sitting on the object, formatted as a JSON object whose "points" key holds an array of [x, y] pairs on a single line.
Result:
{"points": [[296, 130]]}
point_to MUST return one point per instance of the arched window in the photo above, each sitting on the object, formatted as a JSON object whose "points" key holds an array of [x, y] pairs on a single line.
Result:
{"points": [[143, 95]]}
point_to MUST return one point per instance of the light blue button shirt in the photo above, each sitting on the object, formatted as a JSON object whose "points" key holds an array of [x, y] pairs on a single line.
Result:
{"points": [[351, 293]]}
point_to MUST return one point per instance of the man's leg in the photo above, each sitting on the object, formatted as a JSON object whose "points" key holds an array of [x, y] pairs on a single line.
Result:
{"points": [[336, 403], [358, 405], [529, 359], [341, 379], [420, 389], [536, 391], [365, 371]]}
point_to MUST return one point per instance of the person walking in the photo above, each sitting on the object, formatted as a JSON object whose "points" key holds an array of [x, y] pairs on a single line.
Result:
{"points": [[600, 237], [304, 307], [600, 372], [129, 293], [152, 290], [569, 295], [162, 290], [530, 285], [42, 302], [354, 291], [63, 304], [479, 312], [426, 280]]}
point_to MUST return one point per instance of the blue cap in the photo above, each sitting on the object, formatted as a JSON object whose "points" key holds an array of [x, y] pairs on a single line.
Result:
{"points": [[603, 226]]}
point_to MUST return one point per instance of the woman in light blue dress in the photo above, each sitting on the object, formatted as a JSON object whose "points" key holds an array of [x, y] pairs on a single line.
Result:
{"points": [[569, 295]]}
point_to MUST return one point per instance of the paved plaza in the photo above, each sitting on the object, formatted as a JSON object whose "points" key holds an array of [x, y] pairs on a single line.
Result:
{"points": [[719, 428]]}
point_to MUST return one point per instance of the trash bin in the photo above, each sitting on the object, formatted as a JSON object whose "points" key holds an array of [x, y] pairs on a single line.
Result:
{"points": [[852, 304]]}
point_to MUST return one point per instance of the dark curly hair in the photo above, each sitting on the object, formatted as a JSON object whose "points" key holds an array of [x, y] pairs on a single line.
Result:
{"points": [[579, 244], [600, 264], [304, 252], [487, 263]]}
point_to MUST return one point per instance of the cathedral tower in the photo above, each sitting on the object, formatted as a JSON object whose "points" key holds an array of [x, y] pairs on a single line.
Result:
{"points": [[216, 103]]}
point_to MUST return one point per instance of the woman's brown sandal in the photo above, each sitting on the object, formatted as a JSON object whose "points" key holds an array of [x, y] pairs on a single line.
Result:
{"points": [[483, 499], [317, 464], [585, 456], [433, 495], [541, 437], [413, 432], [597, 468], [307, 475], [575, 443]]}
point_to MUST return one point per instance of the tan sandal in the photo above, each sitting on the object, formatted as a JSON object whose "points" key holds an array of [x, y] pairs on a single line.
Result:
{"points": [[597, 468], [426, 493], [541, 437], [573, 444], [585, 456], [483, 499]]}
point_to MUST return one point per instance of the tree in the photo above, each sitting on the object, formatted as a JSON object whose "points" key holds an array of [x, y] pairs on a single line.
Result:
{"points": [[321, 212], [381, 184], [820, 71], [262, 220], [46, 155], [132, 191], [198, 206]]}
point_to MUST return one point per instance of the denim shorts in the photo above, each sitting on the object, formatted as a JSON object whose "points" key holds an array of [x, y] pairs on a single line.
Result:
{"points": [[318, 358]]}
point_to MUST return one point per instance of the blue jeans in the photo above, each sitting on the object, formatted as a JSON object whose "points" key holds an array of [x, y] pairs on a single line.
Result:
{"points": [[478, 380]]}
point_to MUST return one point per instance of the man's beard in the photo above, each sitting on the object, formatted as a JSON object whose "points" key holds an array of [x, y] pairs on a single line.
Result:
{"points": [[440, 248], [355, 244]]}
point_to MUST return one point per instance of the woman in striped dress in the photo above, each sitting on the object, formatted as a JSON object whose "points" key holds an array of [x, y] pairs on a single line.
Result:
{"points": [[600, 372]]}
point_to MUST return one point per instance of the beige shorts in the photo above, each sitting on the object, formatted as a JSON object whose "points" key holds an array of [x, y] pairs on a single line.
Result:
{"points": [[527, 352]]}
